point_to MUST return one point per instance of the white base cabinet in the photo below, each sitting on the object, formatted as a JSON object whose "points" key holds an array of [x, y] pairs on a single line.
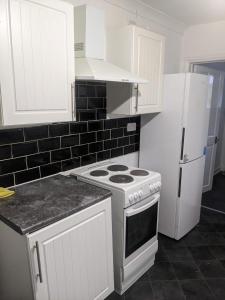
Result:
{"points": [[36, 61], [141, 52], [71, 259]]}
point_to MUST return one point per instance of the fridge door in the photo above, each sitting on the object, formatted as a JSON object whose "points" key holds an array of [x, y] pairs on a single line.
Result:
{"points": [[197, 102], [189, 196]]}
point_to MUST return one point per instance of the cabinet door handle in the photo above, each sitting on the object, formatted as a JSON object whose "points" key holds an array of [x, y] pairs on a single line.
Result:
{"points": [[73, 104], [136, 96], [39, 262]]}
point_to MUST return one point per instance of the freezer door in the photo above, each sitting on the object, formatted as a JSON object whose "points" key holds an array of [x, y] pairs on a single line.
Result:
{"points": [[189, 196], [197, 102]]}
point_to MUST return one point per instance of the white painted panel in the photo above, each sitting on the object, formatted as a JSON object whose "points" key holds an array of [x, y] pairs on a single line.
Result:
{"points": [[196, 114], [76, 256], [189, 203], [40, 61]]}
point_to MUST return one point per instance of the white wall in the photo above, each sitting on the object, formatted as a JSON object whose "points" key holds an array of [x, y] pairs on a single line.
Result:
{"points": [[122, 12], [204, 42], [220, 154]]}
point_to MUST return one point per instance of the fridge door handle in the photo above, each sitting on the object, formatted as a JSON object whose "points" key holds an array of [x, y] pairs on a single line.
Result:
{"points": [[182, 144], [180, 181]]}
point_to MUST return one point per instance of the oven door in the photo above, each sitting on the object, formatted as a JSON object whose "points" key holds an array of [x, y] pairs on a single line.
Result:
{"points": [[141, 222]]}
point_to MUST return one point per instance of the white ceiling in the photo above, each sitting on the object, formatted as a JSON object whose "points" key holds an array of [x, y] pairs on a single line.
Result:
{"points": [[191, 12]]}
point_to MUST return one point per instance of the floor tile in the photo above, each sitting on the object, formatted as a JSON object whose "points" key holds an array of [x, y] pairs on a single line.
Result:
{"points": [[170, 243], [161, 255], [194, 239], [162, 271], [141, 290], [201, 253], [115, 296], [217, 287], [218, 251], [167, 290], [186, 270], [207, 227], [179, 254], [196, 290], [211, 269], [222, 262], [220, 227], [212, 238]]}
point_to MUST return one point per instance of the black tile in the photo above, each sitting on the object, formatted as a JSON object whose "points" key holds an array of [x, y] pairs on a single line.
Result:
{"points": [[78, 127], [88, 159], [194, 238], [220, 227], [115, 296], [59, 129], [26, 148], [167, 290], [69, 140], [129, 149], [217, 287], [12, 165], [206, 227], [122, 122], [7, 180], [50, 169], [212, 238], [49, 144], [86, 91], [89, 114], [27, 175], [103, 155], [186, 270], [211, 268], [223, 262], [103, 135], [81, 103], [96, 103], [8, 136], [139, 290], [123, 141], [101, 114], [89, 137], [179, 254], [170, 243], [137, 120], [95, 147], [135, 139], [70, 164], [110, 123], [38, 159], [218, 251], [136, 147], [60, 154], [201, 253], [161, 255], [116, 133], [196, 290], [162, 271], [79, 150], [116, 152], [101, 91], [109, 144], [95, 125], [35, 133], [5, 152]]}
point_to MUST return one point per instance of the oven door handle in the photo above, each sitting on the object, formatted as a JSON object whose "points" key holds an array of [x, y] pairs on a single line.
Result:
{"points": [[133, 211]]}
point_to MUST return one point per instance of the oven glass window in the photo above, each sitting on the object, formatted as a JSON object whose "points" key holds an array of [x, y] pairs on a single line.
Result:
{"points": [[140, 228]]}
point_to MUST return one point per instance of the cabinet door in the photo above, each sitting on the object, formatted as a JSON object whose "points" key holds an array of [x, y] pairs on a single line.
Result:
{"points": [[148, 63], [74, 256], [37, 58]]}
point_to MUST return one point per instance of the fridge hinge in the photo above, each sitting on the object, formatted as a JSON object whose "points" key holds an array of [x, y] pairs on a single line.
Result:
{"points": [[182, 144], [180, 180]]}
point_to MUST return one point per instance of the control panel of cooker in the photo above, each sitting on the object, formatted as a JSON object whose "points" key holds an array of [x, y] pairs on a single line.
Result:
{"points": [[143, 193]]}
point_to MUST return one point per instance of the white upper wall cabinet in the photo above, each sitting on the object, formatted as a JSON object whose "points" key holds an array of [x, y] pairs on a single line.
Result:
{"points": [[141, 52], [37, 61]]}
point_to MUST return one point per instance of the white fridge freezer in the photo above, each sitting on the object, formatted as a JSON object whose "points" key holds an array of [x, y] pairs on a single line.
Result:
{"points": [[173, 144]]}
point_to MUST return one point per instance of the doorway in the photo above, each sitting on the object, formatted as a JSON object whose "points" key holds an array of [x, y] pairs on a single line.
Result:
{"points": [[214, 179]]}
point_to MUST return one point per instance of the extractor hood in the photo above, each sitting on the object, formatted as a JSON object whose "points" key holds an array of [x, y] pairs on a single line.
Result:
{"points": [[90, 49]]}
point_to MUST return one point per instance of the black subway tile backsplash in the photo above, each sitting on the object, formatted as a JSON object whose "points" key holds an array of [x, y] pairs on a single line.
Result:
{"points": [[27, 175], [43, 150], [5, 152], [8, 136], [26, 148]]}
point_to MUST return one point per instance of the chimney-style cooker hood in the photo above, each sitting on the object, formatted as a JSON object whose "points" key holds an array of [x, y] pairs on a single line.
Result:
{"points": [[90, 49]]}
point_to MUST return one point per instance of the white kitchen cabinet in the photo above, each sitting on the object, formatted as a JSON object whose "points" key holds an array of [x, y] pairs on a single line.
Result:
{"points": [[141, 52], [37, 61], [71, 259]]}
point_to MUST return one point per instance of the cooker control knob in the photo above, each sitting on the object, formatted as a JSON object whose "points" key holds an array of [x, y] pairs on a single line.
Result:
{"points": [[135, 196], [152, 189], [159, 185], [131, 199], [140, 194]]}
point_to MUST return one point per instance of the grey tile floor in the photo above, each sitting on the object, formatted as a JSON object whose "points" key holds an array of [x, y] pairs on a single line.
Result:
{"points": [[192, 268]]}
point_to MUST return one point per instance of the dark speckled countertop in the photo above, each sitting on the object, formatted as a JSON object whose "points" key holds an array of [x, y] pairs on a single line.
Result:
{"points": [[43, 202]]}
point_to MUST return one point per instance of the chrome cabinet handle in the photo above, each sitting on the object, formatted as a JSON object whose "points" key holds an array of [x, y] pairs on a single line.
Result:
{"points": [[136, 97], [39, 262]]}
